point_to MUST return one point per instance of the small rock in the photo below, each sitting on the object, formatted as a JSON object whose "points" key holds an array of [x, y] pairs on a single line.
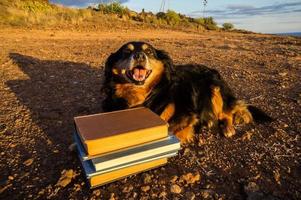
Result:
{"points": [[251, 187], [173, 179], [190, 196], [175, 189], [10, 178], [277, 176], [77, 187], [190, 178], [72, 147], [127, 189], [283, 73], [28, 162], [186, 151], [41, 192], [247, 136], [112, 196], [145, 188], [205, 194], [66, 177], [163, 194], [146, 178], [201, 142], [96, 192]]}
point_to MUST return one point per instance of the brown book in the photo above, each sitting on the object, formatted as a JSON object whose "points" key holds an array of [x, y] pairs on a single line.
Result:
{"points": [[106, 132], [124, 172]]}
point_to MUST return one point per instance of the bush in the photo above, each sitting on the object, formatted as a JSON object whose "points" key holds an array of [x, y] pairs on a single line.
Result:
{"points": [[172, 17], [209, 23], [113, 8], [228, 26]]}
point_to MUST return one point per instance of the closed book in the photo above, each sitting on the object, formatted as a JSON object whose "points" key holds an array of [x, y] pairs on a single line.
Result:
{"points": [[107, 132], [124, 172], [169, 144], [90, 169]]}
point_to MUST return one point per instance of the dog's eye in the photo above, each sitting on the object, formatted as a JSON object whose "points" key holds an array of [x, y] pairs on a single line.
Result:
{"points": [[149, 51]]}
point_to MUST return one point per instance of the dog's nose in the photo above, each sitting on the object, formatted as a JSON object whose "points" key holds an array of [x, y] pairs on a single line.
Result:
{"points": [[139, 56]]}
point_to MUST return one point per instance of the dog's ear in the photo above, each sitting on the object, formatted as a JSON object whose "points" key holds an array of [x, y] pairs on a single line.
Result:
{"points": [[168, 63], [109, 65], [106, 88]]}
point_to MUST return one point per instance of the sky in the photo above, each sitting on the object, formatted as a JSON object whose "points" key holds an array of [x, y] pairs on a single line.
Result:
{"points": [[265, 16]]}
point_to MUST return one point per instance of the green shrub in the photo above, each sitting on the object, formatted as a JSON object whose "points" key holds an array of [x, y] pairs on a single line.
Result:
{"points": [[228, 26], [199, 21], [209, 23], [172, 17], [113, 8]]}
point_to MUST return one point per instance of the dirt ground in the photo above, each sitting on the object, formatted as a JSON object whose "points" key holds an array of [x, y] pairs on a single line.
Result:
{"points": [[48, 77]]}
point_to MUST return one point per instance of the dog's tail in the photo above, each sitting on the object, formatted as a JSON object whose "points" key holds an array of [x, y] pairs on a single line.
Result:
{"points": [[244, 114], [259, 116]]}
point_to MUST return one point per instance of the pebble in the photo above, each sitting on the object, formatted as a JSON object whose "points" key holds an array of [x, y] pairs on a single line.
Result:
{"points": [[163, 194], [173, 179], [205, 194], [190, 196], [127, 189], [186, 151], [112, 196], [277, 176], [28, 162], [251, 187], [96, 192], [190, 178], [146, 178], [145, 188], [175, 189], [66, 177]]}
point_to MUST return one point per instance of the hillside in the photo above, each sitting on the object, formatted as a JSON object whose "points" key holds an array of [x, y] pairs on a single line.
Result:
{"points": [[42, 14]]}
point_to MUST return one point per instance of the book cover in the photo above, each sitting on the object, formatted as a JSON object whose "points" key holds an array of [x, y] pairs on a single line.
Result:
{"points": [[106, 132]]}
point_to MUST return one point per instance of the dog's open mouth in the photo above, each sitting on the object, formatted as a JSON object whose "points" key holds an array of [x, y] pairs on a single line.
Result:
{"points": [[138, 74]]}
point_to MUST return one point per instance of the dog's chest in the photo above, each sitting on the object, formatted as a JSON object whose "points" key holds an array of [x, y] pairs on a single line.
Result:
{"points": [[134, 95]]}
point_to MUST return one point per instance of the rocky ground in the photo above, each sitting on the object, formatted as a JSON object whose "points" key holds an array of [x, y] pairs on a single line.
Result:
{"points": [[48, 77]]}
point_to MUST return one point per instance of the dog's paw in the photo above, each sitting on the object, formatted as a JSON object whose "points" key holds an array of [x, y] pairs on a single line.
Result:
{"points": [[185, 135], [229, 131]]}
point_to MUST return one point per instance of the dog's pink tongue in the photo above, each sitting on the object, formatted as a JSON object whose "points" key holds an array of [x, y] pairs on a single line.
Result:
{"points": [[139, 74]]}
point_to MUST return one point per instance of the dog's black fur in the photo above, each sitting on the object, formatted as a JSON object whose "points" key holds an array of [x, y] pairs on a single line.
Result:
{"points": [[190, 88]]}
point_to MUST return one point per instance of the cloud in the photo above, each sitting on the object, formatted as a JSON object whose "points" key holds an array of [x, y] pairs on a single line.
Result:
{"points": [[84, 3], [244, 10]]}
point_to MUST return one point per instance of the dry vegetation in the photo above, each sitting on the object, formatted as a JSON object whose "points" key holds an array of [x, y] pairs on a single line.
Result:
{"points": [[49, 76], [39, 13]]}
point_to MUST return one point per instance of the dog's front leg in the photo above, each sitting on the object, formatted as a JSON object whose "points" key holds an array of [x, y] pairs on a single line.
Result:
{"points": [[168, 112]]}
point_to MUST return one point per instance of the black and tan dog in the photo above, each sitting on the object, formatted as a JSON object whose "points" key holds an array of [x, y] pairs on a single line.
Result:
{"points": [[183, 95]]}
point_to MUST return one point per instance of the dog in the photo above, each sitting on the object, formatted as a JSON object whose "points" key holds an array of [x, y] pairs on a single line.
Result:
{"points": [[183, 95]]}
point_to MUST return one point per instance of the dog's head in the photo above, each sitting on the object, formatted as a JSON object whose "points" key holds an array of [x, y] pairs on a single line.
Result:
{"points": [[138, 63]]}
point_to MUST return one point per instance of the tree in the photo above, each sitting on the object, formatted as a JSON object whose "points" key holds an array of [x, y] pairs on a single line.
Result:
{"points": [[228, 26]]}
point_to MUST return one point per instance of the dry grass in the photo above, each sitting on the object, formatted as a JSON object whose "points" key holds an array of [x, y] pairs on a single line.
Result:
{"points": [[21, 13], [40, 13]]}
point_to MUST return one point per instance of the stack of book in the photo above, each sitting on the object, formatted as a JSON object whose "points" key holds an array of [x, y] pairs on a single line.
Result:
{"points": [[118, 144]]}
